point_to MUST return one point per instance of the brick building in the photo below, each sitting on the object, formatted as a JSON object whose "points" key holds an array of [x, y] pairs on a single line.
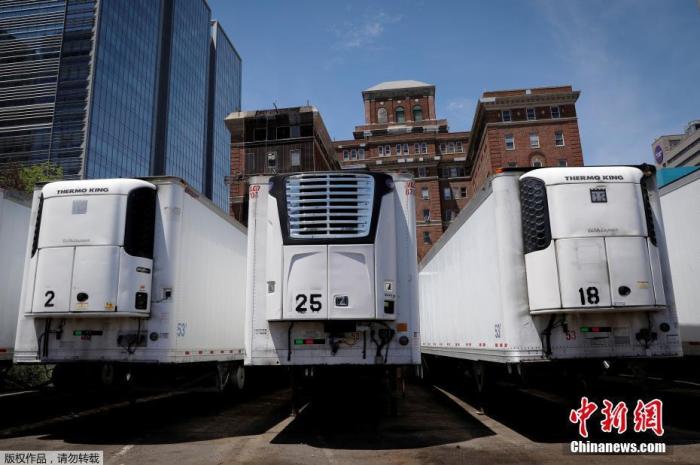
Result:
{"points": [[267, 142], [402, 133], [524, 127]]}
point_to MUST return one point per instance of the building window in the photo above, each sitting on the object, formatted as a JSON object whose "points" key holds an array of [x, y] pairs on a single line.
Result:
{"points": [[426, 238], [416, 148], [422, 172], [260, 134], [353, 154], [307, 130], [361, 154], [511, 164], [454, 172], [537, 161], [295, 155], [283, 132], [534, 141], [447, 193], [463, 192], [458, 147], [563, 162], [423, 148], [380, 150], [271, 161], [450, 147], [382, 116], [425, 193], [417, 113], [400, 115], [426, 215], [531, 115], [405, 149], [398, 149], [510, 142], [505, 116], [555, 112], [559, 139], [387, 150], [443, 148], [346, 155]]}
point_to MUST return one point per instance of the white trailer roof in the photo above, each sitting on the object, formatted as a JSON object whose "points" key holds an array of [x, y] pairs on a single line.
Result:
{"points": [[93, 187], [569, 175]]}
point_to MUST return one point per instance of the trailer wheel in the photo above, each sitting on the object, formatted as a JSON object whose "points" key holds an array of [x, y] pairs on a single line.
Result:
{"points": [[107, 375], [238, 377], [479, 370], [223, 376]]}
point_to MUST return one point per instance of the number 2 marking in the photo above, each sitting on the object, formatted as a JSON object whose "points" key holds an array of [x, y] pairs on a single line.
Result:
{"points": [[49, 301]]}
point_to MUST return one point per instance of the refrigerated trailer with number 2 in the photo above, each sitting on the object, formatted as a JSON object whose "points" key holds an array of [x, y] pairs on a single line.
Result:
{"points": [[131, 273]]}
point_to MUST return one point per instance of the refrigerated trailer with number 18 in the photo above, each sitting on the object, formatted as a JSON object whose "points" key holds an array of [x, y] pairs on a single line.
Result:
{"points": [[552, 264], [132, 274]]}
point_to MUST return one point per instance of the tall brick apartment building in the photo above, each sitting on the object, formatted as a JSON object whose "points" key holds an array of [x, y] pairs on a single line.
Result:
{"points": [[267, 142], [524, 127], [402, 133]]}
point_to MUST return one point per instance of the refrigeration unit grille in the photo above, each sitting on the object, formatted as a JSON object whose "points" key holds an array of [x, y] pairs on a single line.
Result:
{"points": [[329, 205], [537, 234]]}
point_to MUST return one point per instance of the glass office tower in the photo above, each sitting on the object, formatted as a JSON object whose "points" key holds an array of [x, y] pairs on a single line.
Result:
{"points": [[224, 94], [110, 88]]}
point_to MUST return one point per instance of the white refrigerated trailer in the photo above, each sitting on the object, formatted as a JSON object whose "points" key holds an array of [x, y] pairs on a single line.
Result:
{"points": [[14, 224], [332, 272], [552, 264], [133, 274], [680, 205]]}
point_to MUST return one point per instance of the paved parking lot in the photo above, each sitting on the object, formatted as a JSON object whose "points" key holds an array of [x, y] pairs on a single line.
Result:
{"points": [[346, 422]]}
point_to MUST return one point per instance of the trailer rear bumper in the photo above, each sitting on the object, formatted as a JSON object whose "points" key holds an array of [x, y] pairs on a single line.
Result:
{"points": [[585, 310]]}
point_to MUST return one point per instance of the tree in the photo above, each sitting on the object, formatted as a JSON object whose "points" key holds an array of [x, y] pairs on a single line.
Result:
{"points": [[23, 178]]}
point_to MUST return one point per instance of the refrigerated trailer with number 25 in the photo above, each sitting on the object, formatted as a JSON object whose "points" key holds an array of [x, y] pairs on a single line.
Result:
{"points": [[332, 273]]}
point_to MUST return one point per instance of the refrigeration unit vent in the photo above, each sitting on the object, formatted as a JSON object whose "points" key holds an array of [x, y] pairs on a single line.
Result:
{"points": [[537, 234], [329, 205]]}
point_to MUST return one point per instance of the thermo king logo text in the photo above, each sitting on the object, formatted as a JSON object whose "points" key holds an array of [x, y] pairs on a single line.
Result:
{"points": [[84, 190], [614, 177]]}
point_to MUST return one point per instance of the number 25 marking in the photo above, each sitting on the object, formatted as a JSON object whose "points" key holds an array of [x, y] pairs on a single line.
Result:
{"points": [[313, 299]]}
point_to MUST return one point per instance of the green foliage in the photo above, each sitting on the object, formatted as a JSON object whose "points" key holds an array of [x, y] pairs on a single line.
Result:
{"points": [[23, 178]]}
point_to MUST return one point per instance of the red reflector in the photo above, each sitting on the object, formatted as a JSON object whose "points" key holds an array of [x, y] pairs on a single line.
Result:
{"points": [[308, 341], [595, 330], [2, 351], [187, 353], [694, 343], [200, 352]]}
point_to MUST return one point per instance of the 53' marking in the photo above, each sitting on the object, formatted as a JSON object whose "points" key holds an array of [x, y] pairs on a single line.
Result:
{"points": [[313, 300]]}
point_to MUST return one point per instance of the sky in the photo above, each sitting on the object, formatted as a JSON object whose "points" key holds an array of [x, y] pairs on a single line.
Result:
{"points": [[636, 62]]}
